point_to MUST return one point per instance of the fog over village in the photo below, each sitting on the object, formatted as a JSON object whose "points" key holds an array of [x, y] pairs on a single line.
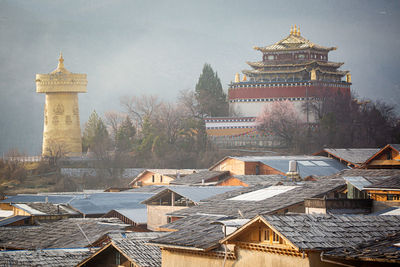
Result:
{"points": [[199, 133]]}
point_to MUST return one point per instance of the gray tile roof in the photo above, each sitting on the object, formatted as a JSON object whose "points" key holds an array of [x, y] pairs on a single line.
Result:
{"points": [[196, 232], [47, 208], [384, 249], [136, 215], [252, 180], [372, 175], [353, 155], [197, 178], [192, 220], [307, 165], [58, 234], [154, 189], [46, 257], [88, 203], [134, 245], [195, 193], [327, 232], [389, 183], [223, 205]]}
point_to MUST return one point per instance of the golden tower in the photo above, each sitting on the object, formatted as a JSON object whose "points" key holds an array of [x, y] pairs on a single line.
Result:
{"points": [[62, 130]]}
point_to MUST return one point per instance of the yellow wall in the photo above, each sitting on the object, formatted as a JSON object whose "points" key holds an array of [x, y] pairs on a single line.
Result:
{"points": [[179, 259], [146, 179], [234, 166], [156, 215], [61, 124]]}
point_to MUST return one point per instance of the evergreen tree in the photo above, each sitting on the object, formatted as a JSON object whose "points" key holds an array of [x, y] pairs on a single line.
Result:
{"points": [[209, 94], [125, 136], [95, 135]]}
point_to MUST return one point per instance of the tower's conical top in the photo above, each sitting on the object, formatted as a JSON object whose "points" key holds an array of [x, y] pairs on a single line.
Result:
{"points": [[60, 67]]}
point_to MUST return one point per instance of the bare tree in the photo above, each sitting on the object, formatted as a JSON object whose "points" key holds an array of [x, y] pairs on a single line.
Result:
{"points": [[55, 151], [280, 119], [140, 108], [113, 121]]}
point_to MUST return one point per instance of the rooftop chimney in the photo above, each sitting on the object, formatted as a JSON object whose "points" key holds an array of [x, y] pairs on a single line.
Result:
{"points": [[293, 172]]}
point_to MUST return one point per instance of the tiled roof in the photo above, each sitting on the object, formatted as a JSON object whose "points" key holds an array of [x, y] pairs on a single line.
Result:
{"points": [[194, 193], [389, 183], [197, 178], [196, 232], [222, 205], [372, 175], [353, 155], [292, 42], [45, 257], [332, 231], [307, 165], [46, 208], [192, 220], [261, 179], [134, 245], [64, 233], [384, 249], [88, 203]]}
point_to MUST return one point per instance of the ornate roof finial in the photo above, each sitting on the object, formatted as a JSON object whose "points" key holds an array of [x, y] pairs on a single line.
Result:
{"points": [[295, 29], [60, 62], [298, 31], [291, 30], [237, 78]]}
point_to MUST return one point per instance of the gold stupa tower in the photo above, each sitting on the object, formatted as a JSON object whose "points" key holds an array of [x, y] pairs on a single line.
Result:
{"points": [[61, 111]]}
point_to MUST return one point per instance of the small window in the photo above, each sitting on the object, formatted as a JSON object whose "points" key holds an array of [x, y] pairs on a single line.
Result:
{"points": [[275, 237], [161, 178], [301, 56], [393, 197], [152, 178], [117, 258], [270, 57], [266, 234]]}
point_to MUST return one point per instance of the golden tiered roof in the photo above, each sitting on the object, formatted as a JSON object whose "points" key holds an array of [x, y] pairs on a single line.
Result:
{"points": [[294, 41]]}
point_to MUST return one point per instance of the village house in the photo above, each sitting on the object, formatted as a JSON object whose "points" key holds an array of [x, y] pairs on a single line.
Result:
{"points": [[137, 218], [93, 204], [201, 178], [266, 165], [271, 240], [352, 157], [386, 158], [175, 198], [278, 197], [159, 176], [126, 249]]}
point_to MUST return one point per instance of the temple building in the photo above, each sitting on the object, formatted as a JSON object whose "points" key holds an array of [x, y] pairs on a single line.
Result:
{"points": [[62, 130], [293, 69]]}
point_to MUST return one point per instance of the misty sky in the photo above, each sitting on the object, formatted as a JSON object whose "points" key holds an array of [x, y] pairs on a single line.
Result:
{"points": [[159, 47]]}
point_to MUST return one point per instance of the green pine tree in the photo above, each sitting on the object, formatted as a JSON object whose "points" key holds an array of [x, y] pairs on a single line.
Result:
{"points": [[210, 95]]}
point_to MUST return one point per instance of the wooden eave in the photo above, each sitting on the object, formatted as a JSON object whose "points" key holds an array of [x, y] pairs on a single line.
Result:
{"points": [[315, 47], [167, 246], [378, 153], [321, 63], [273, 71], [258, 218]]}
